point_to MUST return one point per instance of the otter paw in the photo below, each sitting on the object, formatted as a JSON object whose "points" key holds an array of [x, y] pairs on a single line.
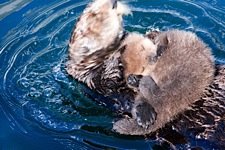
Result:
{"points": [[129, 127], [133, 80], [145, 114], [125, 126]]}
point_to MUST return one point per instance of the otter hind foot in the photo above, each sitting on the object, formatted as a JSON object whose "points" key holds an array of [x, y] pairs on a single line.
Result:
{"points": [[144, 116], [128, 126], [144, 113]]}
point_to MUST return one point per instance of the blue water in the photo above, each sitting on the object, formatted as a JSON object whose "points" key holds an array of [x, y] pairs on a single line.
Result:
{"points": [[41, 108]]}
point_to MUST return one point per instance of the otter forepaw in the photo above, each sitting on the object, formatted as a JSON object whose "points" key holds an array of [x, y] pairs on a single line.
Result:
{"points": [[145, 114], [133, 80]]}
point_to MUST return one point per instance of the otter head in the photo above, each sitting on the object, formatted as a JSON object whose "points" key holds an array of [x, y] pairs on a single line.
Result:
{"points": [[139, 56]]}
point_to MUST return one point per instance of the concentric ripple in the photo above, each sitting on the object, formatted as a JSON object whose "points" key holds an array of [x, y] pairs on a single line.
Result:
{"points": [[40, 103]]}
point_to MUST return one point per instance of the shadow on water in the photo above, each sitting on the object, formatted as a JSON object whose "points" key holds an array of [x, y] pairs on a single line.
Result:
{"points": [[39, 103]]}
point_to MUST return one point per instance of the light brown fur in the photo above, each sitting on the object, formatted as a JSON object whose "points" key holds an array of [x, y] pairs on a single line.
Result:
{"points": [[139, 54], [182, 73], [96, 34]]}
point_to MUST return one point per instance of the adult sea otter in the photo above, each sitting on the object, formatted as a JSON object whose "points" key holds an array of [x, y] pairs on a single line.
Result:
{"points": [[94, 58]]}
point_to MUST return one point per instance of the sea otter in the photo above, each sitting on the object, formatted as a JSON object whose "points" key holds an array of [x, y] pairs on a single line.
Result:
{"points": [[94, 53], [97, 61], [95, 58], [178, 79]]}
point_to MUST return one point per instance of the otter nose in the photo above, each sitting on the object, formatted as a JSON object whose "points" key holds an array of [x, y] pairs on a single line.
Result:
{"points": [[114, 4]]}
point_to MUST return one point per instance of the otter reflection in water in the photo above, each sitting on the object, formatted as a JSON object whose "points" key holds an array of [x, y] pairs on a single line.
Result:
{"points": [[95, 58]]}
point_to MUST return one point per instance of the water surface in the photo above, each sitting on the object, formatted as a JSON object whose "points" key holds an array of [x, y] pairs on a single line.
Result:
{"points": [[42, 108]]}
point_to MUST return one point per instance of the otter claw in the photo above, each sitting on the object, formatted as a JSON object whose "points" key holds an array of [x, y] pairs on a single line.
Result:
{"points": [[143, 125], [145, 115], [133, 80]]}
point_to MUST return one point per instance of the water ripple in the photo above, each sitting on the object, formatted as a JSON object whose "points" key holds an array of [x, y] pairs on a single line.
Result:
{"points": [[12, 6], [37, 92]]}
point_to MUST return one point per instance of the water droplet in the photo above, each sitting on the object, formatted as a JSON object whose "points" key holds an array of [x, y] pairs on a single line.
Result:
{"points": [[33, 74], [23, 82], [34, 93], [47, 92]]}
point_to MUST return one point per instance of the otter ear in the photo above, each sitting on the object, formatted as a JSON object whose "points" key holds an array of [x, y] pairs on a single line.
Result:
{"points": [[152, 34], [162, 43], [114, 4]]}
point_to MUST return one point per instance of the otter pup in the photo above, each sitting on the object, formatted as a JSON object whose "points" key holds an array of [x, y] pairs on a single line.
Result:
{"points": [[178, 79]]}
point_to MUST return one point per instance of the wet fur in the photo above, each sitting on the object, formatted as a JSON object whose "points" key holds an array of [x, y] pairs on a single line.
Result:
{"points": [[94, 54], [96, 35], [182, 73], [100, 67]]}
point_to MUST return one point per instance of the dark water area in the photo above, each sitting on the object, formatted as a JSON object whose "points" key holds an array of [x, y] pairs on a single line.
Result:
{"points": [[42, 108]]}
